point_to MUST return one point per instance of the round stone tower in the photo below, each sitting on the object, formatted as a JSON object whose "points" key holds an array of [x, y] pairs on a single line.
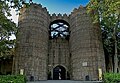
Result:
{"points": [[85, 46], [32, 43]]}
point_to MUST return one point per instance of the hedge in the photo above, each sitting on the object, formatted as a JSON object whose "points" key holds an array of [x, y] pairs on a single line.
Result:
{"points": [[12, 79], [111, 78]]}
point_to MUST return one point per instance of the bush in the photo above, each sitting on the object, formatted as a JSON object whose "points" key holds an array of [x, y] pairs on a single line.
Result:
{"points": [[111, 78], [12, 79]]}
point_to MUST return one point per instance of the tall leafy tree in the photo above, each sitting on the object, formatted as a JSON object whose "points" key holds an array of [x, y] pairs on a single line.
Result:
{"points": [[7, 27], [107, 14]]}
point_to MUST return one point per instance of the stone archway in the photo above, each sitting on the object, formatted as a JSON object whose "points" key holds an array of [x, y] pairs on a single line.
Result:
{"points": [[59, 28], [59, 73]]}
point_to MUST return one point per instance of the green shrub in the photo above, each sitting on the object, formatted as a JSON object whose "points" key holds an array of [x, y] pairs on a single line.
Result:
{"points": [[12, 79], [111, 78]]}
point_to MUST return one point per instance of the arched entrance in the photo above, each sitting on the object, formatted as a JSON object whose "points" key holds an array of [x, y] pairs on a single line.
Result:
{"points": [[59, 73]]}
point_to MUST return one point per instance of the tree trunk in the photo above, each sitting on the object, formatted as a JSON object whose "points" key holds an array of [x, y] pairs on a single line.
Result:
{"points": [[115, 56], [118, 66], [110, 64]]}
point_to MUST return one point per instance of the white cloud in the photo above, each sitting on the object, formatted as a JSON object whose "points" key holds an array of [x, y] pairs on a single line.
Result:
{"points": [[14, 17], [12, 37]]}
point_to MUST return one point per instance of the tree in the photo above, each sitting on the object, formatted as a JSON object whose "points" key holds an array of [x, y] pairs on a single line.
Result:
{"points": [[7, 27], [107, 14]]}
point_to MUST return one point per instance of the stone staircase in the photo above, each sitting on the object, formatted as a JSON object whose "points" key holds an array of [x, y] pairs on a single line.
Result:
{"points": [[65, 81]]}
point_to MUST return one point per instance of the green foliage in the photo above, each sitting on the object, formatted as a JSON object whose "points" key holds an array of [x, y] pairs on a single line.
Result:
{"points": [[107, 14], [111, 78], [7, 27], [104, 9], [12, 79]]}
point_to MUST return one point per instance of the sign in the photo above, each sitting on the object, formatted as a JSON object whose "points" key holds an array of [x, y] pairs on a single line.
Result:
{"points": [[21, 71], [100, 73], [84, 64]]}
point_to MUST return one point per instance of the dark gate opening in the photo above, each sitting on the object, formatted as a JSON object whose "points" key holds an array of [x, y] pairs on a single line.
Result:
{"points": [[59, 73]]}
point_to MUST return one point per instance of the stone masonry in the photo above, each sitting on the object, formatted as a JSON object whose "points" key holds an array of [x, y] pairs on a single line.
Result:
{"points": [[37, 55]]}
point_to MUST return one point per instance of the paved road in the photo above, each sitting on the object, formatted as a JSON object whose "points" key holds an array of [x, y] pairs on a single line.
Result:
{"points": [[64, 81]]}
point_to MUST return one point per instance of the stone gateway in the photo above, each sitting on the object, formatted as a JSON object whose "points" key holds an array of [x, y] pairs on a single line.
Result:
{"points": [[58, 47]]}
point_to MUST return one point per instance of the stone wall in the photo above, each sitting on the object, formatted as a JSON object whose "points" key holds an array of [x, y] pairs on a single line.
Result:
{"points": [[82, 55], [32, 42], [6, 66], [58, 47], [86, 47], [58, 54]]}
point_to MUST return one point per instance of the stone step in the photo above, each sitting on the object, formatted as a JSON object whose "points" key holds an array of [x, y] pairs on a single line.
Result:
{"points": [[64, 81]]}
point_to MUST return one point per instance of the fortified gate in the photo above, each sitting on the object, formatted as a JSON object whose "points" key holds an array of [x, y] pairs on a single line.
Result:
{"points": [[58, 47]]}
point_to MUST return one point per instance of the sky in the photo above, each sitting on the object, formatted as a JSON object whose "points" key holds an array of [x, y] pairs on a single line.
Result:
{"points": [[54, 6], [61, 6]]}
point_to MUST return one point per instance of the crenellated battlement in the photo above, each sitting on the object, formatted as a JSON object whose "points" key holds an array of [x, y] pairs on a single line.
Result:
{"points": [[80, 9], [44, 9], [59, 15], [39, 9], [33, 7]]}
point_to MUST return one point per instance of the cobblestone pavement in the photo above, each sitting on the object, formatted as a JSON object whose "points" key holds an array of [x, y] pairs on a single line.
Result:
{"points": [[65, 81]]}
